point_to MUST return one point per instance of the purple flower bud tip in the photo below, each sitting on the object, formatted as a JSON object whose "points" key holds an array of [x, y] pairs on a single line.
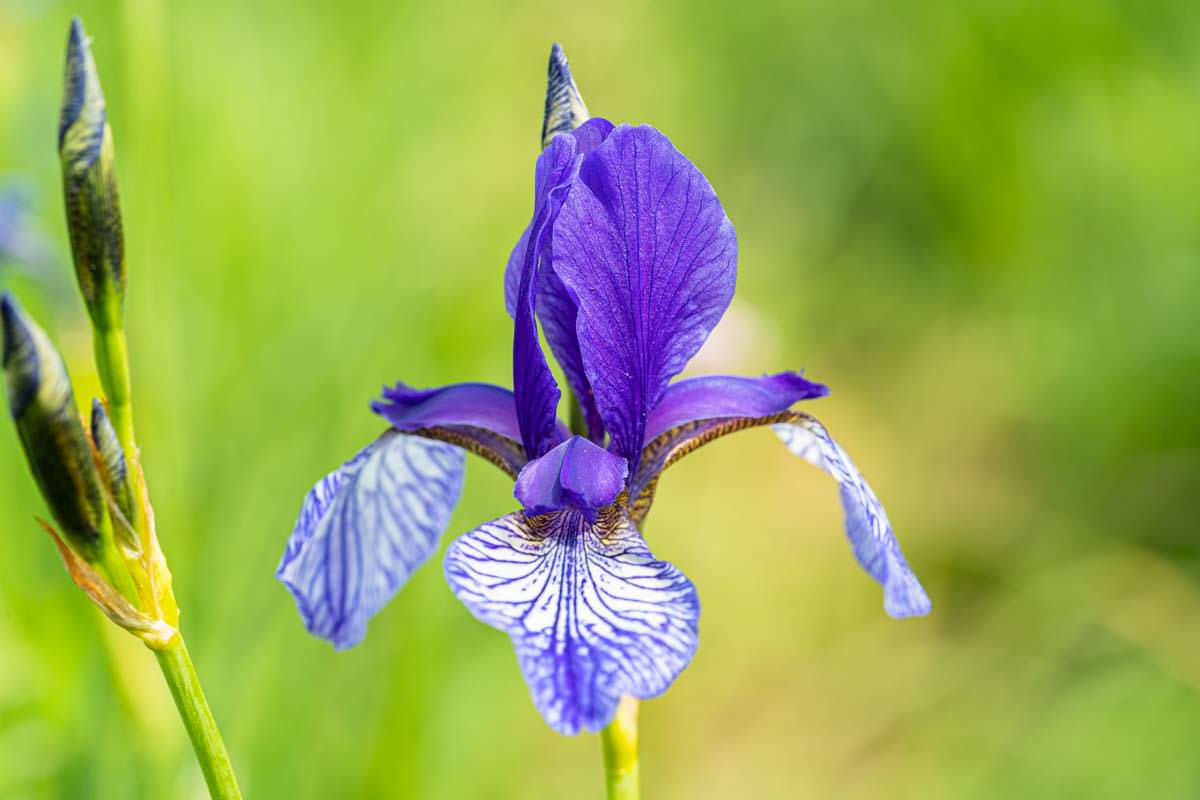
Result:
{"points": [[15, 330]]}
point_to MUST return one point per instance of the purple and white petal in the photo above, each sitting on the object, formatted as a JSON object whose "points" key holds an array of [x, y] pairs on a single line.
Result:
{"points": [[576, 474], [646, 250], [365, 528], [592, 614], [867, 526]]}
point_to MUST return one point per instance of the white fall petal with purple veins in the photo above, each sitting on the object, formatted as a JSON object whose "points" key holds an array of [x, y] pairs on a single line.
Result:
{"points": [[592, 614], [364, 528], [867, 526]]}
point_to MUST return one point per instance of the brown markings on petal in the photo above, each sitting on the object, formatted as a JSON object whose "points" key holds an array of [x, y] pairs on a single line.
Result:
{"points": [[670, 446], [502, 451]]}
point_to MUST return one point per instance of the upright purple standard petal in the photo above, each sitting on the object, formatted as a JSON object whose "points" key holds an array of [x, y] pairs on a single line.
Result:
{"points": [[553, 304], [591, 613], [577, 474], [365, 528], [588, 137], [558, 314], [533, 384], [867, 526], [645, 248]]}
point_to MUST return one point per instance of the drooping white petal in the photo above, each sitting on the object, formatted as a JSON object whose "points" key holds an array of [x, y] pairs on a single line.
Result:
{"points": [[365, 528], [867, 526], [592, 614]]}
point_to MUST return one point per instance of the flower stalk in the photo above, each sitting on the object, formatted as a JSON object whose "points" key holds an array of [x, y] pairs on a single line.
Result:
{"points": [[93, 484], [620, 740], [180, 674], [566, 111], [112, 364]]}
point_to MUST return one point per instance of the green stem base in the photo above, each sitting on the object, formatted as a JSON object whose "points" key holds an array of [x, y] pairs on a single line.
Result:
{"points": [[180, 673], [620, 741]]}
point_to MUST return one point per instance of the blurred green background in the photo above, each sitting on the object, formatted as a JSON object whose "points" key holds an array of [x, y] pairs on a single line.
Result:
{"points": [[978, 222]]}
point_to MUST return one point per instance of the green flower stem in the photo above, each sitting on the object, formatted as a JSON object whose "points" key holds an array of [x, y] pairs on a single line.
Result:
{"points": [[578, 424], [620, 740], [181, 676], [112, 362]]}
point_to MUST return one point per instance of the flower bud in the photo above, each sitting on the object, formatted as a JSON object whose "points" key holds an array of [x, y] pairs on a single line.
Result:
{"points": [[113, 468], [43, 408], [565, 110], [85, 148]]}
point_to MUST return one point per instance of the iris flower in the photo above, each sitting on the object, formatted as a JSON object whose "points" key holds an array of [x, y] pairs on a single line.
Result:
{"points": [[628, 263]]}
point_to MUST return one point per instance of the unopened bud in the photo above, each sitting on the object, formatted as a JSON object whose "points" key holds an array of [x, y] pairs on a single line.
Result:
{"points": [[85, 148], [43, 408], [114, 470], [565, 110]]}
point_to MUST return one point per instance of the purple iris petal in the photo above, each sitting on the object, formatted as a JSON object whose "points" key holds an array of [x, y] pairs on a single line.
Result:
{"points": [[365, 528], [557, 310], [554, 306], [512, 272], [558, 314], [479, 405], [867, 526], [644, 247], [533, 384], [591, 613], [587, 137], [576, 474], [713, 396]]}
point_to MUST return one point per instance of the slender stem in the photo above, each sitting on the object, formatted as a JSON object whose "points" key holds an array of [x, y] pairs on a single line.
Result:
{"points": [[575, 415], [181, 676], [112, 362], [620, 740]]}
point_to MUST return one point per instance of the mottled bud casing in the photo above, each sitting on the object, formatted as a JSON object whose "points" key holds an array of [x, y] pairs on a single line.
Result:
{"points": [[113, 468], [43, 407], [565, 109], [85, 148]]}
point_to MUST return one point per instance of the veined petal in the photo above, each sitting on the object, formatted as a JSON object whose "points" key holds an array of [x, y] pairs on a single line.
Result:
{"points": [[479, 405], [576, 474], [592, 614], [553, 304], [558, 314], [587, 137], [646, 250], [365, 528], [696, 411], [867, 526], [534, 386], [713, 396], [557, 309], [478, 417]]}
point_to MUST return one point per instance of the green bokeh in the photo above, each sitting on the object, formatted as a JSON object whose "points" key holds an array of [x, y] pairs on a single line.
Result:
{"points": [[979, 222]]}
